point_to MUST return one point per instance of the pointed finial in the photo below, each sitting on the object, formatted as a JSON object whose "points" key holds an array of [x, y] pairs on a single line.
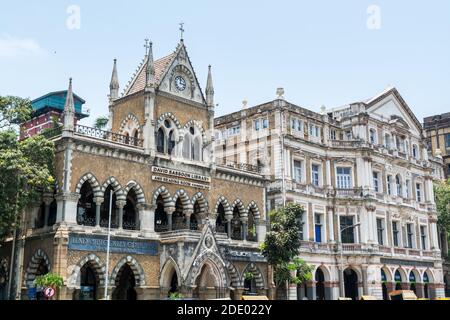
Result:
{"points": [[209, 89], [69, 105], [69, 110], [280, 93], [146, 46], [114, 85], [150, 70], [181, 30]]}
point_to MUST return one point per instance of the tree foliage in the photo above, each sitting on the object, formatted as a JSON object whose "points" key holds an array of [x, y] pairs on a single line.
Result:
{"points": [[25, 166], [442, 195], [52, 280], [101, 122], [282, 244], [13, 111]]}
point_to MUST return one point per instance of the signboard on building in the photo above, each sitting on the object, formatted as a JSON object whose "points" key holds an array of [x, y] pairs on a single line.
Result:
{"points": [[244, 255], [181, 178], [407, 262], [117, 245]]}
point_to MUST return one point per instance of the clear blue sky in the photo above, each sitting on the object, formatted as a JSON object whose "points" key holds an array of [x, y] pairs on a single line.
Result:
{"points": [[321, 52]]}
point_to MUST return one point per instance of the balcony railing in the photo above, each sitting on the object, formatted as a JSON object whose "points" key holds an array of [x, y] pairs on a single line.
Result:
{"points": [[51, 132], [345, 143], [351, 192], [240, 166], [399, 251], [108, 136]]}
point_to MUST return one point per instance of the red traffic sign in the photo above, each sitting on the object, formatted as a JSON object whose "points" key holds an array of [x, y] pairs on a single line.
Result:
{"points": [[49, 292]]}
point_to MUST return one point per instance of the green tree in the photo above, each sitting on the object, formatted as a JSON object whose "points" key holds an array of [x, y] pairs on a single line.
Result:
{"points": [[282, 244], [101, 122], [442, 195], [25, 166]]}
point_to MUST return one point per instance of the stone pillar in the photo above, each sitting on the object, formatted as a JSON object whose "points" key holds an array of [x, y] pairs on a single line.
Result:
{"points": [[48, 199], [146, 217], [328, 290], [120, 204], [98, 204], [292, 291], [341, 281], [67, 207], [330, 224], [328, 170], [433, 234], [311, 289], [228, 217], [244, 221], [404, 285], [187, 215], [260, 230], [419, 290], [169, 211], [238, 293], [365, 279]]}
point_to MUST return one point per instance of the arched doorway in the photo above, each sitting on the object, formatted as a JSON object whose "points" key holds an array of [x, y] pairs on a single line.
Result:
{"points": [[320, 284], [384, 286], [426, 288], [130, 221], [236, 225], [88, 283], [206, 284], [125, 284], [41, 270], [398, 280], [160, 215], [221, 222], [173, 283], [86, 206], [412, 282], [351, 284]]}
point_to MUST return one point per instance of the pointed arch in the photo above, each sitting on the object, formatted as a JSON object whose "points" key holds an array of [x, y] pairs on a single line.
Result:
{"points": [[95, 185], [388, 273], [195, 123], [234, 276], [39, 257], [138, 272], [215, 261], [165, 276], [203, 203], [184, 198], [222, 200], [254, 207], [430, 275], [74, 279], [171, 116], [403, 274], [112, 181], [240, 206], [326, 272], [135, 125], [416, 274], [165, 194], [137, 190], [257, 275]]}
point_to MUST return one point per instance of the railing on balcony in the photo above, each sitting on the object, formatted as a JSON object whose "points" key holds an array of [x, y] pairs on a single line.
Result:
{"points": [[412, 252], [299, 186], [51, 132], [399, 251], [161, 227], [129, 225], [108, 136], [427, 253], [345, 143], [351, 192], [104, 224], [384, 249], [351, 247], [86, 221]]}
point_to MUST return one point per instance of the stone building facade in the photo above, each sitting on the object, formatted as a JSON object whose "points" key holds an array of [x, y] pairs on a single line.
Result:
{"points": [[179, 222], [363, 176]]}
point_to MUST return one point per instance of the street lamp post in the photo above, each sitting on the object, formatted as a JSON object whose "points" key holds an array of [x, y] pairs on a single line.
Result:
{"points": [[342, 289], [106, 297]]}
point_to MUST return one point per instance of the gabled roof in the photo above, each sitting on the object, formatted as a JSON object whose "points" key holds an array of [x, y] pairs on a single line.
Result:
{"points": [[394, 91], [137, 83]]}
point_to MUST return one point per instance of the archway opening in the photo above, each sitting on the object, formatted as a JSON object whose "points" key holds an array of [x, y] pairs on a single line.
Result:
{"points": [[160, 215], [251, 226], [236, 225], [41, 270], [384, 286], [130, 217], [195, 217], [206, 286], [398, 280], [320, 284], [88, 283], [104, 212], [426, 289], [125, 284], [351, 284], [221, 222], [86, 206], [178, 218], [412, 282], [173, 283]]}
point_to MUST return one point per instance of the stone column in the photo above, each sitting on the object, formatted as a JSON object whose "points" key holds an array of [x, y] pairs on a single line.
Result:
{"points": [[187, 215], [419, 290], [120, 204], [328, 170], [244, 221], [311, 289], [98, 204], [67, 207], [228, 217], [292, 289], [390, 286], [146, 217], [330, 224], [364, 279], [48, 199], [169, 211]]}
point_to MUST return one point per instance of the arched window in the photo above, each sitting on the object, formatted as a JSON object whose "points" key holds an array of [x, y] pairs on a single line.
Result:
{"points": [[398, 280], [160, 141], [130, 216], [221, 222], [426, 281], [415, 152], [135, 137], [40, 219], [88, 283], [383, 285], [251, 226], [160, 215], [412, 282], [195, 216], [104, 210], [178, 218], [373, 136], [320, 284], [86, 206], [192, 145], [171, 142], [398, 183]]}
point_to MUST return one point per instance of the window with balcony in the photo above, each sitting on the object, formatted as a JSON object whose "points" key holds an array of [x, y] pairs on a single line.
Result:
{"points": [[318, 227], [348, 135], [380, 231], [298, 171], [347, 231], [376, 181], [344, 177], [418, 192], [315, 175], [423, 237], [373, 136], [395, 233], [409, 235]]}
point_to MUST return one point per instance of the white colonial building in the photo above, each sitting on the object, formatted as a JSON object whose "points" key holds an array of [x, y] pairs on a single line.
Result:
{"points": [[363, 176]]}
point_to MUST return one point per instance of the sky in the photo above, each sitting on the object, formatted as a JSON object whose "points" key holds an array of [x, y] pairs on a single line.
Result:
{"points": [[321, 52]]}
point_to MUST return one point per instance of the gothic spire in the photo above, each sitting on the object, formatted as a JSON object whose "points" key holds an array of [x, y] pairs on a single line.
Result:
{"points": [[114, 85], [150, 70], [69, 110], [209, 89]]}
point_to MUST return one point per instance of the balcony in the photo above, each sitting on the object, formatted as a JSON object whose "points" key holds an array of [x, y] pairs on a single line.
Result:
{"points": [[108, 136], [348, 193], [239, 166], [345, 143]]}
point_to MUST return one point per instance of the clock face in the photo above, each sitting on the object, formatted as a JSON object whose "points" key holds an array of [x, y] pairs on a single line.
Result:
{"points": [[180, 83]]}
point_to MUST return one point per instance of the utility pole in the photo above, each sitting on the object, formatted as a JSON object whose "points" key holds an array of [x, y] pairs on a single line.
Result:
{"points": [[108, 246]]}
